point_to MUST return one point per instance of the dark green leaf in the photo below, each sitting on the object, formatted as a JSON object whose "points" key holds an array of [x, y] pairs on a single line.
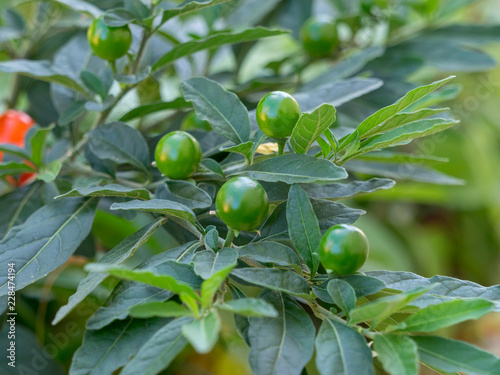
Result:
{"points": [[168, 309], [294, 169], [147, 109], [93, 83], [160, 350], [281, 345], [117, 255], [275, 279], [342, 350], [45, 240], [112, 190], [185, 193], [160, 206], [206, 262], [268, 252], [222, 109], [214, 41], [303, 227], [251, 307], [81, 7], [188, 8], [342, 293]]}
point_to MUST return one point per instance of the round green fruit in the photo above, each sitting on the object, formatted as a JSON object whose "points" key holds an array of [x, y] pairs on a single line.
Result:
{"points": [[277, 114], [109, 43], [177, 155], [242, 203], [193, 122], [319, 37], [343, 249]]}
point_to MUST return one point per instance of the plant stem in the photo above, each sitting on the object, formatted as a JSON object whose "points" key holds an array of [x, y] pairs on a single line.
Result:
{"points": [[142, 48], [229, 238], [281, 145]]}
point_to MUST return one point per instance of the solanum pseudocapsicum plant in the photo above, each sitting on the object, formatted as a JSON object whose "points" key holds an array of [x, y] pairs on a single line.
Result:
{"points": [[260, 234]]}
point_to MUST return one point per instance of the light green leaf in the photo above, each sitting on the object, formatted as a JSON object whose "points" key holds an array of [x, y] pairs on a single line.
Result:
{"points": [[246, 149], [49, 172], [212, 284], [203, 334], [147, 109], [168, 309], [251, 307], [446, 314], [398, 354], [310, 126], [187, 8], [454, 356], [381, 308]]}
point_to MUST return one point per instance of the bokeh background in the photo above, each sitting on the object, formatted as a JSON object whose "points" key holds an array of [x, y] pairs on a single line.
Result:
{"points": [[424, 228]]}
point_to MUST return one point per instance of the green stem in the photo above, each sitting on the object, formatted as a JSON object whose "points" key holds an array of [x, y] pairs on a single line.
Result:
{"points": [[112, 63], [281, 145], [229, 238]]}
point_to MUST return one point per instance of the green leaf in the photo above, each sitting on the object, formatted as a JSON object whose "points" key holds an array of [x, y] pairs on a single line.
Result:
{"points": [[343, 294], [37, 143], [279, 191], [269, 252], [275, 279], [381, 308], [246, 149], [211, 285], [222, 109], [168, 309], [342, 350], [401, 157], [410, 97], [44, 71], [214, 41], [251, 307], [203, 334], [281, 345], [185, 193], [108, 349], [128, 294], [295, 169], [49, 172], [45, 240], [362, 285], [408, 132], [116, 255], [332, 213], [19, 204], [120, 144], [310, 126], [160, 350], [81, 7], [445, 288], [112, 190], [160, 206], [188, 8], [14, 150], [354, 145], [207, 263], [404, 118], [454, 356], [211, 239], [303, 227], [93, 83], [147, 109], [147, 277], [12, 167], [445, 314], [398, 354]]}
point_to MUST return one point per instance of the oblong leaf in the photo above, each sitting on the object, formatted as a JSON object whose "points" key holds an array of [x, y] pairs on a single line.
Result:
{"points": [[203, 334], [222, 109], [281, 345], [45, 240], [160, 206], [342, 350], [251, 307], [112, 190], [272, 253], [398, 354], [310, 126], [295, 169], [206, 262], [275, 279], [116, 255]]}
